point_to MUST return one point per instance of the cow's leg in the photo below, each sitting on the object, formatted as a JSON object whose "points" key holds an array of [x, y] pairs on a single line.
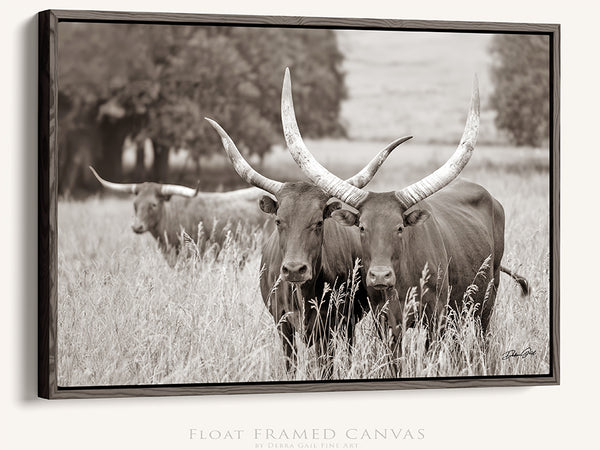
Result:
{"points": [[325, 356], [434, 314], [350, 330], [288, 337], [498, 252], [389, 321], [395, 340], [318, 327], [488, 304], [351, 315]]}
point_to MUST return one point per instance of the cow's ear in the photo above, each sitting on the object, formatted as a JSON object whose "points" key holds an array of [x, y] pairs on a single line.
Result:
{"points": [[268, 204], [345, 217], [330, 208], [416, 217]]}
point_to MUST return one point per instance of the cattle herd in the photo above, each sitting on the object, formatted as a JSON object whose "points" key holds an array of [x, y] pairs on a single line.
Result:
{"points": [[317, 231]]}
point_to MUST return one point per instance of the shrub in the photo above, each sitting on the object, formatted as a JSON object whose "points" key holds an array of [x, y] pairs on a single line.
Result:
{"points": [[521, 77]]}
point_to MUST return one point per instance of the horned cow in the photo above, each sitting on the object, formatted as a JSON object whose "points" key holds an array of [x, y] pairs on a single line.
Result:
{"points": [[305, 252], [165, 210], [453, 227]]}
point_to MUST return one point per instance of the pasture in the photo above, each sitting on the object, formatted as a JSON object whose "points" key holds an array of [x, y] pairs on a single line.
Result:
{"points": [[417, 81], [126, 317]]}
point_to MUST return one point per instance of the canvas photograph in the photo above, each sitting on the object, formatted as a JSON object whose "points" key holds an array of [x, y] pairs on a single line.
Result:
{"points": [[269, 205]]}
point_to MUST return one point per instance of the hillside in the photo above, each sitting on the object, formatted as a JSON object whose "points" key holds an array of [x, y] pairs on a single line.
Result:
{"points": [[415, 83]]}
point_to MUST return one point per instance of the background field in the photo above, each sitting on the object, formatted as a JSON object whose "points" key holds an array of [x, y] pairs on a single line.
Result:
{"points": [[415, 83], [126, 317]]}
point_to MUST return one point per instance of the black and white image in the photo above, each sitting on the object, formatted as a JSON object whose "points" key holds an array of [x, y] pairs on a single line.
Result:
{"points": [[258, 204]]}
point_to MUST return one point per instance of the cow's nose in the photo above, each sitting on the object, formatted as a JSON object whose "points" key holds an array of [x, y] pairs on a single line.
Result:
{"points": [[137, 228], [381, 277], [295, 271]]}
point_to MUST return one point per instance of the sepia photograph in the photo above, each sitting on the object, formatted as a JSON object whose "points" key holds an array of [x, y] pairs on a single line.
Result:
{"points": [[286, 204]]}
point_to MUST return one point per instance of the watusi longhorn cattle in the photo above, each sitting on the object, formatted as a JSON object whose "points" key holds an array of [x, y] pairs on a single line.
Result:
{"points": [[165, 210], [305, 252], [456, 229]]}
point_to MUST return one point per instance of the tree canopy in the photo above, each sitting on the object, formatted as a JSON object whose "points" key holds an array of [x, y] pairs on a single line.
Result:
{"points": [[521, 78], [162, 80]]}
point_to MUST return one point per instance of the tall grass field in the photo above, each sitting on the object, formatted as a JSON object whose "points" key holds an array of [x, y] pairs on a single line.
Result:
{"points": [[126, 317]]}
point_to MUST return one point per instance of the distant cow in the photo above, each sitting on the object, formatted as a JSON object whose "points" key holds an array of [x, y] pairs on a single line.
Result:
{"points": [[305, 252], [166, 210], [453, 230]]}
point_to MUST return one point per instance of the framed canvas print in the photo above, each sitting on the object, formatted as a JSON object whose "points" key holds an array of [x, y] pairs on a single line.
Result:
{"points": [[247, 204]]}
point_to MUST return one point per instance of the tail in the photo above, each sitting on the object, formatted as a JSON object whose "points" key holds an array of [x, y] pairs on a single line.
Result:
{"points": [[519, 279]]}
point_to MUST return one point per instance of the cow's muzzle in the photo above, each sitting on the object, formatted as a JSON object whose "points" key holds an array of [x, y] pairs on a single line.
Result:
{"points": [[138, 228], [295, 272], [381, 277]]}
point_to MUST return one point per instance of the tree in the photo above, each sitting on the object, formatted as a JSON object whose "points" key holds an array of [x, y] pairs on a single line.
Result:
{"points": [[521, 77], [160, 81], [97, 73]]}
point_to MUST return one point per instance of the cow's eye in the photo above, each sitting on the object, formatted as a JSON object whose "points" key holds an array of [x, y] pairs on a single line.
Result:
{"points": [[400, 228], [319, 224], [277, 222], [153, 205], [361, 228]]}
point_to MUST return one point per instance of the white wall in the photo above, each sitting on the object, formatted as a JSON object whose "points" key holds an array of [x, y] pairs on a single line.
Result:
{"points": [[543, 417]]}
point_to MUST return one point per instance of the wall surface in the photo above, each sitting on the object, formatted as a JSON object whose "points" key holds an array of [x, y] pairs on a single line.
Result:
{"points": [[548, 417]]}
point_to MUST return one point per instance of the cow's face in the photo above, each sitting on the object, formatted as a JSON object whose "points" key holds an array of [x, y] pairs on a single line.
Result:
{"points": [[300, 212], [385, 229], [148, 206]]}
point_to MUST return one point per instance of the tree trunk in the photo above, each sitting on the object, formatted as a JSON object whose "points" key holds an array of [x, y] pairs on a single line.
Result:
{"points": [[160, 168], [113, 132], [140, 169]]}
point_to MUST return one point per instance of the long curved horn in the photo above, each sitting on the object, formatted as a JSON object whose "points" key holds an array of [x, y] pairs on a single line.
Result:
{"points": [[432, 183], [362, 178], [129, 188], [327, 181], [174, 189], [242, 167]]}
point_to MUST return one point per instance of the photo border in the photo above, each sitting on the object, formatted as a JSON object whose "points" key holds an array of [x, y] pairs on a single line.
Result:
{"points": [[48, 195]]}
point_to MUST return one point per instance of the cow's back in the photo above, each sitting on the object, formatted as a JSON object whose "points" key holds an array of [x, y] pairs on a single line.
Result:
{"points": [[471, 223], [217, 212]]}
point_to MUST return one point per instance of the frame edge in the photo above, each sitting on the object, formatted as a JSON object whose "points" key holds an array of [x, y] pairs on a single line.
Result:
{"points": [[47, 129], [299, 21], [555, 155]]}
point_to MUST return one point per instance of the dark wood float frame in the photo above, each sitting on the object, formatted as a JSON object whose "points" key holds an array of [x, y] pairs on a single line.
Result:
{"points": [[47, 203]]}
